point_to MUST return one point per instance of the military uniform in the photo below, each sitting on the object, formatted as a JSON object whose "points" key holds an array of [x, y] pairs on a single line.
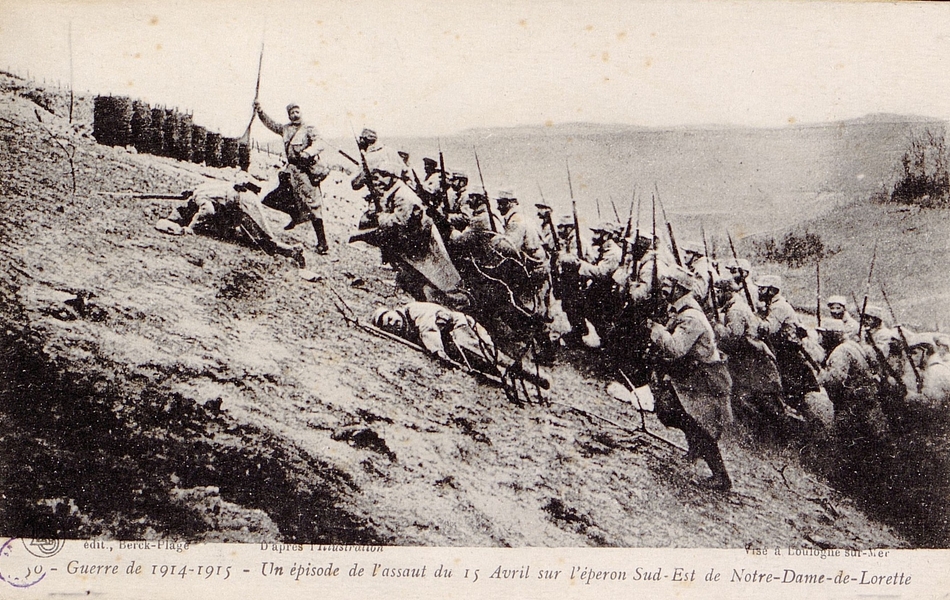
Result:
{"points": [[217, 208], [299, 194], [756, 384], [457, 337], [782, 328], [693, 395]]}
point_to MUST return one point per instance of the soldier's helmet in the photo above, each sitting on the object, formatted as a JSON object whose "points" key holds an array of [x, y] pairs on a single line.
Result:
{"points": [[677, 277], [368, 136], [693, 247], [565, 221], [839, 300], [611, 228], [769, 281], [506, 195], [874, 311]]}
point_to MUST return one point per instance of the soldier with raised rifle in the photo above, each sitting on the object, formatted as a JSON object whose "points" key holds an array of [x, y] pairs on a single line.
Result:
{"points": [[299, 193], [596, 284], [837, 308]]}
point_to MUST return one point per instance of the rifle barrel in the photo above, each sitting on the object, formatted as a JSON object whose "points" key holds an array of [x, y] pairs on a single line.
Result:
{"points": [[491, 216], [577, 225]]}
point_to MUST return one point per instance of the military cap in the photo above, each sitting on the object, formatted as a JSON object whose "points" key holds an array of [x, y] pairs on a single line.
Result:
{"points": [[565, 221], [837, 300], [611, 227], [292, 106], [873, 310], [388, 168], [368, 135], [430, 162], [694, 247], [403, 154], [678, 276], [773, 281], [506, 195], [921, 339], [543, 208]]}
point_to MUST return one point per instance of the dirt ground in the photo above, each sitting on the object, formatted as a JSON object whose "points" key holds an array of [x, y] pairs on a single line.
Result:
{"points": [[163, 387]]}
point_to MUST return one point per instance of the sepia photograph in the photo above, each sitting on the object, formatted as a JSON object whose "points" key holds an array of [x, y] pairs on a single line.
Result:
{"points": [[473, 274]]}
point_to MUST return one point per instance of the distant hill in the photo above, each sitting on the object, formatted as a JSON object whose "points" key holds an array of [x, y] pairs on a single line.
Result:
{"points": [[745, 179]]}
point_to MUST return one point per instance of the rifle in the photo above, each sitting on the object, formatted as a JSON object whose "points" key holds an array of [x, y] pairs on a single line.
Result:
{"points": [[597, 201], [349, 158], [374, 196], [443, 185], [547, 221], [577, 225], [149, 196], [669, 229], [712, 291], [616, 214], [906, 346], [257, 89], [626, 232], [491, 215], [655, 279], [867, 292], [818, 290], [745, 284]]}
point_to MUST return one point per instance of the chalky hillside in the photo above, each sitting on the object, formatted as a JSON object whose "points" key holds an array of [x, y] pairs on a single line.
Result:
{"points": [[166, 387]]}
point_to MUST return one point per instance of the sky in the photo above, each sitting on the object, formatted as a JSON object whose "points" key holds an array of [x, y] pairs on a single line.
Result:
{"points": [[436, 68]]}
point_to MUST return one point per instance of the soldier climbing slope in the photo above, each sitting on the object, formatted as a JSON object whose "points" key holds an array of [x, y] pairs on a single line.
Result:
{"points": [[299, 193], [231, 211], [692, 383]]}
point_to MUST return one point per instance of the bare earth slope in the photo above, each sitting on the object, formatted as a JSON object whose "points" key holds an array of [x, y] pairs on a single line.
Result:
{"points": [[205, 391]]}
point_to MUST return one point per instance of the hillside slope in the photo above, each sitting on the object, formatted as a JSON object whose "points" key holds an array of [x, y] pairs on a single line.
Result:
{"points": [[203, 390], [912, 247]]}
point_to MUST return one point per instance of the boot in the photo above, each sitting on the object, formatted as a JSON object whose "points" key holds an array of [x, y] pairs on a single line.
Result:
{"points": [[720, 477], [322, 247]]}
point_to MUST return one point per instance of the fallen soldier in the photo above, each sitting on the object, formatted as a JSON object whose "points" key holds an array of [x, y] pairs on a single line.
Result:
{"points": [[229, 211], [455, 338]]}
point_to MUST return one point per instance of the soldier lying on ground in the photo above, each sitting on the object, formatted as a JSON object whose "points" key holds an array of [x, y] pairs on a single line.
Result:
{"points": [[230, 211], [455, 338]]}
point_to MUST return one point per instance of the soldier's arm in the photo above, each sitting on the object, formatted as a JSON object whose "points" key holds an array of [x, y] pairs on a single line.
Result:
{"points": [[680, 341], [641, 288], [404, 212], [269, 122]]}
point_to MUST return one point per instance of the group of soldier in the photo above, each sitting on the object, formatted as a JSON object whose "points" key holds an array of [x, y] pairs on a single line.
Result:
{"points": [[710, 337]]}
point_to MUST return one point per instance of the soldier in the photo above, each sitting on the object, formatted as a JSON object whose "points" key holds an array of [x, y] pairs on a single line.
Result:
{"points": [[596, 277], [887, 356], [692, 393], [228, 210], [852, 382], [526, 239], [928, 351], [547, 228], [836, 307], [694, 259], [565, 233], [406, 237], [300, 179], [454, 337], [784, 332], [756, 384]]}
